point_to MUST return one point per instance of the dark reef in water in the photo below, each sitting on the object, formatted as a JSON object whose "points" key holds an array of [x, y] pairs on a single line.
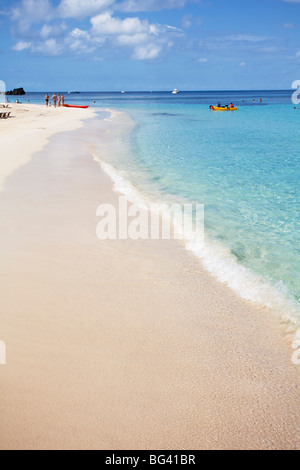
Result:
{"points": [[165, 114], [16, 92]]}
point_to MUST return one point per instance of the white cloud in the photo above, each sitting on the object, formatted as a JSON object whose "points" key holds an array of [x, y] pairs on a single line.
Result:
{"points": [[289, 25], [186, 21], [245, 38], [298, 54], [79, 34], [81, 42], [21, 46], [52, 47], [243, 64], [147, 40], [28, 12], [49, 47], [46, 31], [126, 40], [32, 11], [202, 61], [269, 49], [81, 47], [144, 41], [49, 31], [106, 24], [80, 9], [147, 52]]}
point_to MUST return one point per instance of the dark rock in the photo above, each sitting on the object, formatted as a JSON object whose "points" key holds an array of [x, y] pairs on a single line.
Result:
{"points": [[16, 92]]}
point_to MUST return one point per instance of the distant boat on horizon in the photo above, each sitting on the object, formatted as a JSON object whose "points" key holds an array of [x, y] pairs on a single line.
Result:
{"points": [[175, 91], [74, 92], [123, 92]]}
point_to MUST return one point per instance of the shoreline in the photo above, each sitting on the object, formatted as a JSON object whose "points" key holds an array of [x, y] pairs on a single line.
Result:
{"points": [[215, 257], [34, 124], [217, 260], [169, 359]]}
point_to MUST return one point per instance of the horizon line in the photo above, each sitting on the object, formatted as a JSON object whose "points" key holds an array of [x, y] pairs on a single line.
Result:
{"points": [[169, 91]]}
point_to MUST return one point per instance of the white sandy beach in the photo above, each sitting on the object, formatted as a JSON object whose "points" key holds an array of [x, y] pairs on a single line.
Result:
{"points": [[28, 130], [121, 344]]}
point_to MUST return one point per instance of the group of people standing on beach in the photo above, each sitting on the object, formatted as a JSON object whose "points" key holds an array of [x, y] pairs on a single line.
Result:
{"points": [[58, 101]]}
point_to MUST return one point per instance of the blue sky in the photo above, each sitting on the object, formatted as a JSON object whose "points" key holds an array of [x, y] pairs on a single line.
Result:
{"points": [[111, 45]]}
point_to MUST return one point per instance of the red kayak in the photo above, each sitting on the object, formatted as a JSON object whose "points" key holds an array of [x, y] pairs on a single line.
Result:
{"points": [[73, 106]]}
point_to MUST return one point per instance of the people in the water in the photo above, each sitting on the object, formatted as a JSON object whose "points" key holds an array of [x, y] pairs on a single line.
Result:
{"points": [[219, 105], [231, 106], [225, 106]]}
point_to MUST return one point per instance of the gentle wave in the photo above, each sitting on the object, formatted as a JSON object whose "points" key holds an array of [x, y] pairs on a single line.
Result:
{"points": [[219, 261], [122, 185]]}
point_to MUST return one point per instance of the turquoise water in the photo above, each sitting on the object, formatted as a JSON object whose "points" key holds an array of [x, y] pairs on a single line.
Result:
{"points": [[243, 166]]}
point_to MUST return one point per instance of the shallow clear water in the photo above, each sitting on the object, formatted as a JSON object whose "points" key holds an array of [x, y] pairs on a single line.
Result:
{"points": [[244, 166]]}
